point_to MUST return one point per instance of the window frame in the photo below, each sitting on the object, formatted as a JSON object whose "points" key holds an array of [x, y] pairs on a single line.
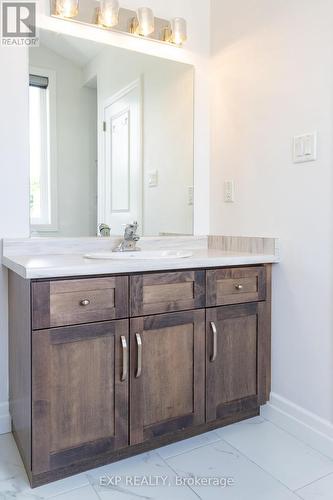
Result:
{"points": [[52, 226]]}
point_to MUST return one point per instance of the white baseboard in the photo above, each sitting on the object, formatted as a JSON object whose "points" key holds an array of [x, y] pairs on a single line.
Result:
{"points": [[306, 426], [5, 422]]}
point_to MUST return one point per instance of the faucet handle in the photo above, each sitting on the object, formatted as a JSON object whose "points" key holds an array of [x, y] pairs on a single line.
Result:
{"points": [[130, 231], [132, 225]]}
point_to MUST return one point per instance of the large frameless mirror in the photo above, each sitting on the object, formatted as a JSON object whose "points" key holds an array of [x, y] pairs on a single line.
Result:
{"points": [[111, 140]]}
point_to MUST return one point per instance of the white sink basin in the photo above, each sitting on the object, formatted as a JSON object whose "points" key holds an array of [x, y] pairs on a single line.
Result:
{"points": [[145, 255]]}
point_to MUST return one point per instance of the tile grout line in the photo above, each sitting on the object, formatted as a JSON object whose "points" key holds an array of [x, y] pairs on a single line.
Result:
{"points": [[293, 436], [187, 451], [71, 491], [298, 439], [92, 486], [173, 470], [260, 467], [252, 461], [122, 492], [313, 482]]}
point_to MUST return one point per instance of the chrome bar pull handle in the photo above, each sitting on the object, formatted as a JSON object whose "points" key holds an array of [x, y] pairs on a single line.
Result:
{"points": [[214, 331], [139, 360], [125, 358]]}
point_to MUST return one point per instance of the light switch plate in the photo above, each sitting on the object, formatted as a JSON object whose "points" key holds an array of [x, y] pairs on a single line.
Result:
{"points": [[153, 178], [229, 191], [305, 148]]}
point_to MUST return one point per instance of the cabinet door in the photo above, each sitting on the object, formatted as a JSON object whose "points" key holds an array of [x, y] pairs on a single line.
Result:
{"points": [[167, 391], [233, 334], [79, 392]]}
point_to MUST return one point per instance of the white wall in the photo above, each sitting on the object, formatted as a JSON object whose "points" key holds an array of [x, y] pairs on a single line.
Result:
{"points": [[14, 182], [167, 88], [14, 129], [273, 79], [76, 144]]}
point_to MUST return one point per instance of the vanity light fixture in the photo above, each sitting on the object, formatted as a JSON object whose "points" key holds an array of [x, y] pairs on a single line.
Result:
{"points": [[143, 23], [67, 8], [146, 21], [108, 14], [178, 31]]}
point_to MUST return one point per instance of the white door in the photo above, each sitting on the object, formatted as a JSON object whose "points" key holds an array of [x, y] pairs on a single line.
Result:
{"points": [[123, 159]]}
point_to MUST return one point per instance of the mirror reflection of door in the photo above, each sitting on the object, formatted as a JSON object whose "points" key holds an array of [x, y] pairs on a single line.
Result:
{"points": [[121, 174]]}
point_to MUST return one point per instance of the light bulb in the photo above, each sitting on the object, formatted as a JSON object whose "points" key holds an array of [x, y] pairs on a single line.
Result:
{"points": [[179, 30], [146, 21], [67, 8], [108, 13]]}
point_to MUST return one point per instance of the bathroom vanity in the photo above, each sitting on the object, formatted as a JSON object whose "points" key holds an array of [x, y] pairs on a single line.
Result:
{"points": [[113, 355], [105, 365]]}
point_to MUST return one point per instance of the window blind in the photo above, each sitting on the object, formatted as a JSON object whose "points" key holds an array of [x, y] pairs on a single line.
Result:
{"points": [[41, 82]]}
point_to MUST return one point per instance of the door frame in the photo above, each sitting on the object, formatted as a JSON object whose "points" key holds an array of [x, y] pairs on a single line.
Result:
{"points": [[102, 185]]}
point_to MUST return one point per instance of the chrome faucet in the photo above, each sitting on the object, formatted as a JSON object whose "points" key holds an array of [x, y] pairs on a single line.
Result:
{"points": [[130, 240]]}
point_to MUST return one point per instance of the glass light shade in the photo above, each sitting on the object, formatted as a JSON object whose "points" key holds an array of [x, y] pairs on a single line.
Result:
{"points": [[108, 13], [179, 30], [67, 8], [146, 21]]}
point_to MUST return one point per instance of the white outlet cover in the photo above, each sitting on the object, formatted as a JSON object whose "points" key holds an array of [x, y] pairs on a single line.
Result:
{"points": [[229, 191], [305, 148]]}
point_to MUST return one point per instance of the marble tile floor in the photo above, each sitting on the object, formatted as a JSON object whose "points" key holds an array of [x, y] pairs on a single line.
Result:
{"points": [[251, 460]]}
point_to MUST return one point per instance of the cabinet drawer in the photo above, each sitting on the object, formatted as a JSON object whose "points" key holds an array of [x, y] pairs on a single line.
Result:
{"points": [[235, 285], [73, 302], [167, 292]]}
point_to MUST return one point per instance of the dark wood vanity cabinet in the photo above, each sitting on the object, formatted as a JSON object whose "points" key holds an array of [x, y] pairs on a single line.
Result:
{"points": [[125, 364]]}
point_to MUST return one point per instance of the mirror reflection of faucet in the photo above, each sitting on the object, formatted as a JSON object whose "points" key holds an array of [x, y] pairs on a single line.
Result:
{"points": [[104, 230], [130, 239]]}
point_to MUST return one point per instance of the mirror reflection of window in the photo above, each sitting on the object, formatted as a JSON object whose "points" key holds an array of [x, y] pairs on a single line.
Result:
{"points": [[40, 203]]}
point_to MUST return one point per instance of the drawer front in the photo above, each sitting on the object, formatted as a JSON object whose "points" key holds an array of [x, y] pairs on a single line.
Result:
{"points": [[167, 292], [73, 302], [235, 286]]}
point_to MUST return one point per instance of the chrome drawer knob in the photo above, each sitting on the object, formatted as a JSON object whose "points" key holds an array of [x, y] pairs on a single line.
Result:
{"points": [[239, 287], [85, 302]]}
